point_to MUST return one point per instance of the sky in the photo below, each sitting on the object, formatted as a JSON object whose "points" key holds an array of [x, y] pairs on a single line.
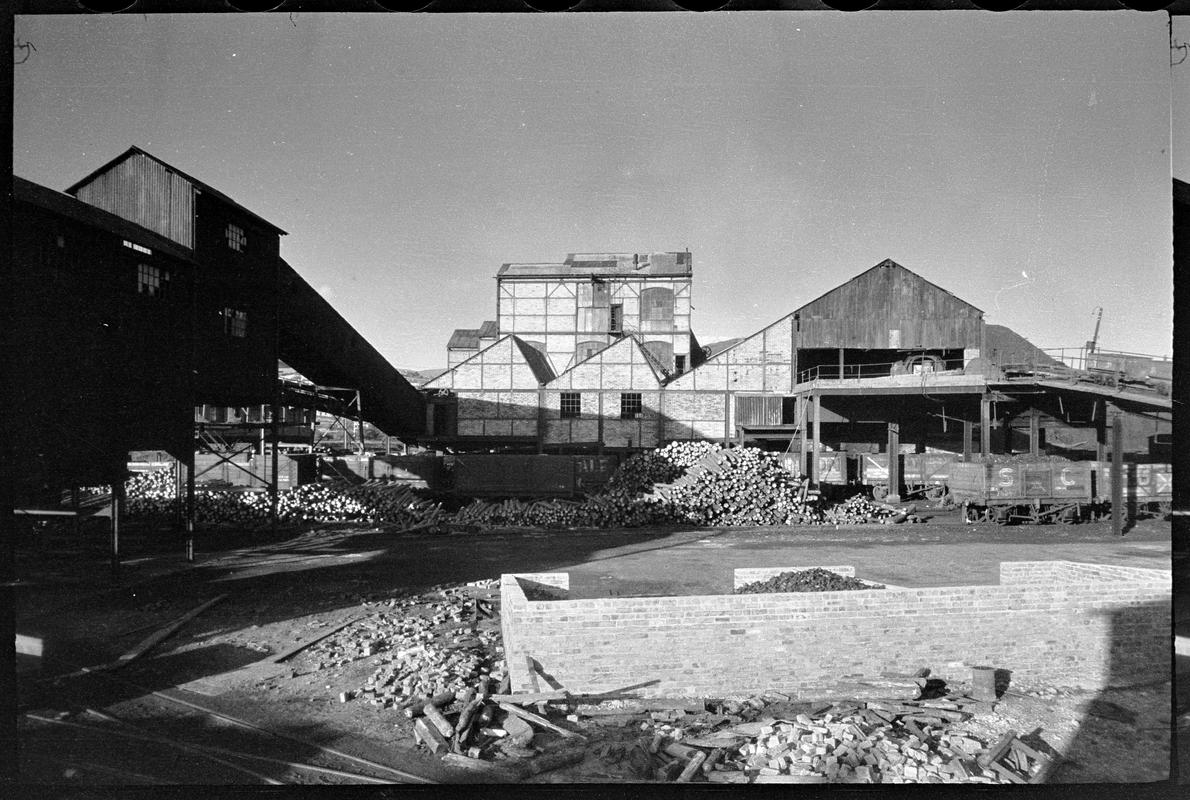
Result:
{"points": [[1020, 160]]}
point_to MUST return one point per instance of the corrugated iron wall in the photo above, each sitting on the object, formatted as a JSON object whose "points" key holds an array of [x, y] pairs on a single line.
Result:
{"points": [[144, 191]]}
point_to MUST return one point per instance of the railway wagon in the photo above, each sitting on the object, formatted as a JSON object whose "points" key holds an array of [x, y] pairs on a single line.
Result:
{"points": [[1023, 491], [1147, 487], [1115, 369], [922, 474]]}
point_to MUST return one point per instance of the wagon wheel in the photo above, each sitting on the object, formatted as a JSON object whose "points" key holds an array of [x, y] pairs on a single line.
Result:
{"points": [[1000, 514], [879, 491], [936, 494], [1164, 509], [1069, 515]]}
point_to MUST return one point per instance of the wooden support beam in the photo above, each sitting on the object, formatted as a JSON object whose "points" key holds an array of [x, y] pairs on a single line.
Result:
{"points": [[804, 417], [1117, 473], [1034, 432], [985, 427], [117, 509], [529, 716], [968, 429], [817, 445], [894, 462]]}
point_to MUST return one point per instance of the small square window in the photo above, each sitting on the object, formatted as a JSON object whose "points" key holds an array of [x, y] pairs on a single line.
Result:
{"points": [[572, 405], [150, 280], [235, 323], [236, 239], [630, 405]]}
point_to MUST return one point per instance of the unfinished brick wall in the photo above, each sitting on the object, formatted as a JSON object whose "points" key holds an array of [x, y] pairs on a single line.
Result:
{"points": [[1053, 622]]}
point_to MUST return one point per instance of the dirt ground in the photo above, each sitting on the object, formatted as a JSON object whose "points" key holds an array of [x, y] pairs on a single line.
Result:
{"points": [[102, 728]]}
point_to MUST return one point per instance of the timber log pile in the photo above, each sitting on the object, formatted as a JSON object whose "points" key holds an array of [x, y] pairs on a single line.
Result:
{"points": [[688, 483], [154, 495]]}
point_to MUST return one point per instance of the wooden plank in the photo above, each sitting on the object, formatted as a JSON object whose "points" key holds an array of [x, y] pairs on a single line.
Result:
{"points": [[692, 767], [529, 716], [163, 634], [997, 751], [488, 770], [293, 651], [528, 698], [435, 718], [430, 736], [1005, 772]]}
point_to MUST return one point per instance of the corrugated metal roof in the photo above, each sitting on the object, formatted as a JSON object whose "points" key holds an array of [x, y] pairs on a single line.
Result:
{"points": [[203, 187], [536, 361], [52, 200], [464, 339], [886, 263], [468, 338]]}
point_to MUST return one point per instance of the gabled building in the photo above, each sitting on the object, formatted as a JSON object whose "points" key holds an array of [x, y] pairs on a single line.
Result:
{"points": [[569, 311], [611, 399]]}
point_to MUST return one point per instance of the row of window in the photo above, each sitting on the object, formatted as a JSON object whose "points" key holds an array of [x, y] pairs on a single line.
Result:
{"points": [[237, 414], [154, 282], [598, 313], [571, 405]]}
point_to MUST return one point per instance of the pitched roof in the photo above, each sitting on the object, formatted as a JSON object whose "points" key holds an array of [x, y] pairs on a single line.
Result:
{"points": [[52, 200], [202, 187], [649, 358], [672, 263], [468, 338], [886, 263], [536, 361]]}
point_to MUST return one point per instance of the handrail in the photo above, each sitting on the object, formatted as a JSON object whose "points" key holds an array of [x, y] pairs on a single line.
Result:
{"points": [[873, 370]]}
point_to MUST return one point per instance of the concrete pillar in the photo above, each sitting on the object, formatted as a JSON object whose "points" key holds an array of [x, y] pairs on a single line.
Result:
{"points": [[803, 414], [1034, 433], [968, 429]]}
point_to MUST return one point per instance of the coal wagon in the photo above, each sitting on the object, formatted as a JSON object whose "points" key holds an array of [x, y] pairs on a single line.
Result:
{"points": [[1148, 488], [1120, 370], [1032, 490], [922, 474]]}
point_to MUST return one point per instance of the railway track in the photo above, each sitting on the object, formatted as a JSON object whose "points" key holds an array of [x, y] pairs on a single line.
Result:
{"points": [[180, 740]]}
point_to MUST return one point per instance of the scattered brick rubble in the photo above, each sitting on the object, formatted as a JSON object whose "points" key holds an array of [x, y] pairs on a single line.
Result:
{"points": [[439, 665]]}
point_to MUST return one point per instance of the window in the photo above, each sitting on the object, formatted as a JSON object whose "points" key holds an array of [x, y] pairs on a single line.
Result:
{"points": [[679, 363], [235, 323], [657, 304], [572, 405], [236, 239], [617, 320], [151, 280], [630, 406]]}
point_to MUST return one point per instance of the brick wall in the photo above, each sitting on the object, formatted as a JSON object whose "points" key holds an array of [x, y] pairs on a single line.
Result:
{"points": [[1053, 622]]}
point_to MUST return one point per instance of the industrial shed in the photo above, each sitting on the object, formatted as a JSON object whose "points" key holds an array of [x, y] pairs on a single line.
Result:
{"points": [[145, 295]]}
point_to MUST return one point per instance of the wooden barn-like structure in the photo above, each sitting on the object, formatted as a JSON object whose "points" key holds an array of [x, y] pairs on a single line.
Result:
{"points": [[142, 294]]}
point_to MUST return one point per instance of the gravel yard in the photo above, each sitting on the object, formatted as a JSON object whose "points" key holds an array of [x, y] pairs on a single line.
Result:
{"points": [[388, 586]]}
